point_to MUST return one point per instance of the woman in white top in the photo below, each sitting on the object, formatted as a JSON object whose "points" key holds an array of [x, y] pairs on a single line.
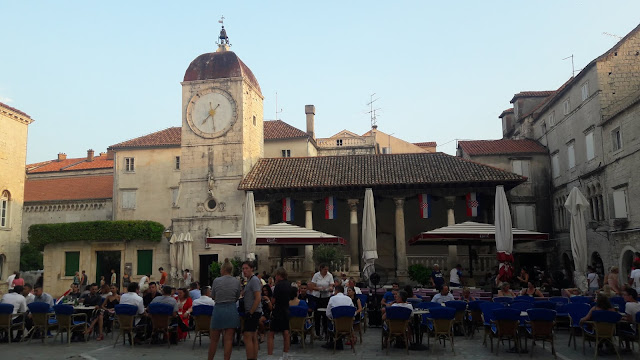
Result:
{"points": [[321, 287]]}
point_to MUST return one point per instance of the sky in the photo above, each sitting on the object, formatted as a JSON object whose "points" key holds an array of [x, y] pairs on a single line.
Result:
{"points": [[93, 74]]}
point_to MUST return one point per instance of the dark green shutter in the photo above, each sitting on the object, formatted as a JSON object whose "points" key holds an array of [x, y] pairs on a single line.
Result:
{"points": [[145, 262], [71, 263]]}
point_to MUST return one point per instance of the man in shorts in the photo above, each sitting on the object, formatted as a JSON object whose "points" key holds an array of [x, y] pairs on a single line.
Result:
{"points": [[252, 310]]}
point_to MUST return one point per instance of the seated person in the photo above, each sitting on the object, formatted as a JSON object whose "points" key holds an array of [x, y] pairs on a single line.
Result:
{"points": [[505, 290], [74, 294], [571, 292], [390, 295], [150, 294], [92, 298], [294, 300], [194, 290], [466, 295], [606, 291], [205, 298], [531, 291], [338, 299], [602, 303], [401, 301], [410, 295], [443, 296], [352, 283]]}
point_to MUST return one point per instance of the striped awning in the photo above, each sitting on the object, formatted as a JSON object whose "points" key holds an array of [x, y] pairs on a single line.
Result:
{"points": [[280, 234], [473, 232]]}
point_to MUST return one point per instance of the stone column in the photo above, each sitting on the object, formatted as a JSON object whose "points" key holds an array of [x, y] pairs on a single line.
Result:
{"points": [[262, 219], [353, 237], [308, 249], [401, 246], [452, 257]]}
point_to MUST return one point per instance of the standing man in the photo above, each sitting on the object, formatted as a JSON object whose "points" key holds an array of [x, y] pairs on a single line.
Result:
{"points": [[437, 280], [10, 280], [163, 277], [114, 278], [252, 310], [455, 276], [83, 280], [280, 313]]}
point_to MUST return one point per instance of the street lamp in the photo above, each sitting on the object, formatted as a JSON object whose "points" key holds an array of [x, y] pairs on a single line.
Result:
{"points": [[167, 233]]}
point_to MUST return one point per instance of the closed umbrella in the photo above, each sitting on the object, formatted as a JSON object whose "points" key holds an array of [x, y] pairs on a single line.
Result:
{"points": [[173, 256], [248, 234], [504, 236], [577, 204], [369, 240], [187, 262], [179, 255]]}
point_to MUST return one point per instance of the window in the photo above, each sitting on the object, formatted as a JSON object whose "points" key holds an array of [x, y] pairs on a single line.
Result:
{"points": [[128, 164], [565, 107], [585, 91], [616, 139], [555, 166], [339, 142], [286, 153], [145, 262], [588, 139], [594, 194], [552, 118], [571, 156], [525, 217], [521, 167], [175, 193], [386, 150], [620, 204], [177, 162], [128, 199], [254, 120], [71, 262], [4, 209]]}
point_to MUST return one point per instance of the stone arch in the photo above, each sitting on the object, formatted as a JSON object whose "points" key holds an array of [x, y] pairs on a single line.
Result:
{"points": [[626, 261], [598, 265]]}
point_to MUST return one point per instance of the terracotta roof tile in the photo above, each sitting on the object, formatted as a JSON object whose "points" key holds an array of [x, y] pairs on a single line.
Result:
{"points": [[502, 146], [99, 162], [544, 93], [14, 110], [380, 171], [163, 138], [69, 188], [278, 129], [505, 112], [426, 144]]}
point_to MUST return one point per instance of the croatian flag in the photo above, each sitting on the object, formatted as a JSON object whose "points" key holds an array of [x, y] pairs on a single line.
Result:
{"points": [[425, 205], [472, 204], [287, 209], [330, 208]]}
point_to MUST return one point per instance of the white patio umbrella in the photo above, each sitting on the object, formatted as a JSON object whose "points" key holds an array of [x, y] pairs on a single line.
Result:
{"points": [[369, 239], [577, 204], [179, 255], [187, 262], [504, 235], [249, 228], [173, 256]]}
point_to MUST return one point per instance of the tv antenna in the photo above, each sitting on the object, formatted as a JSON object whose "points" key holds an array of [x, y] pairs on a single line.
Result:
{"points": [[573, 69], [277, 111], [612, 35], [372, 111]]}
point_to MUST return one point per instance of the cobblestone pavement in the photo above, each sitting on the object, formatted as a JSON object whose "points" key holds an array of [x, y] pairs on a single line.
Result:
{"points": [[464, 349]]}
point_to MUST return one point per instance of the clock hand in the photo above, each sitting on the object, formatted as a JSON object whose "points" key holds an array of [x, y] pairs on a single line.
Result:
{"points": [[205, 119]]}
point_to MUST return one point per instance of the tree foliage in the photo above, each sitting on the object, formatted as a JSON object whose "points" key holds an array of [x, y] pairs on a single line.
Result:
{"points": [[30, 258], [41, 235], [420, 274], [331, 255]]}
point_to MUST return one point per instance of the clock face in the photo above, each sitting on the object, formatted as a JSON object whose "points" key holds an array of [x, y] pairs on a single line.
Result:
{"points": [[211, 113]]}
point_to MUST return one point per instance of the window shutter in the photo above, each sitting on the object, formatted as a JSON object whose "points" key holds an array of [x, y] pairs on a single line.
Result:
{"points": [[145, 262], [525, 168], [620, 204], [71, 263], [589, 142], [517, 167], [531, 217]]}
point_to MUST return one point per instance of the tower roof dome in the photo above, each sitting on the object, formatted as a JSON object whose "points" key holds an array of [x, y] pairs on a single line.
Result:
{"points": [[217, 65]]}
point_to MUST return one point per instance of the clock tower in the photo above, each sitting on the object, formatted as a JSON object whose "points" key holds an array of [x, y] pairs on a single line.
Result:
{"points": [[222, 138]]}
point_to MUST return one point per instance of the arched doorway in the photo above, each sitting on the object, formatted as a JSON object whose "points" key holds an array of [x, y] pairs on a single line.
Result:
{"points": [[598, 265], [626, 263]]}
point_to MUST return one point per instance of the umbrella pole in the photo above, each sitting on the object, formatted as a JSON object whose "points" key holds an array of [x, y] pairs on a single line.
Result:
{"points": [[282, 255], [470, 264]]}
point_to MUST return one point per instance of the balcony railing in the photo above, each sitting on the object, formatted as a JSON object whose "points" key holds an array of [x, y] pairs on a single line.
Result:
{"points": [[295, 265], [484, 263], [345, 142]]}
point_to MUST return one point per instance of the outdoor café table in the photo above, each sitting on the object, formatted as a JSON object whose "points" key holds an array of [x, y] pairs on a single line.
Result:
{"points": [[323, 328], [417, 344]]}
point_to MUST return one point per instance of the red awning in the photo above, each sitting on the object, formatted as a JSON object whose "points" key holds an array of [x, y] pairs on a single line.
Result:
{"points": [[280, 234]]}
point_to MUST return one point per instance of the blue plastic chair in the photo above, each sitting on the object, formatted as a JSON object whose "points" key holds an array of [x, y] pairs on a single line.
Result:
{"points": [[619, 301], [503, 299], [298, 323], [202, 310], [630, 334], [580, 300], [161, 320], [426, 305], [524, 298], [487, 309], [41, 314], [363, 315], [521, 305], [397, 320], [67, 321], [342, 324], [125, 314], [559, 299], [9, 321], [461, 309], [541, 323], [504, 325], [601, 328], [544, 305], [440, 323], [576, 312], [474, 315]]}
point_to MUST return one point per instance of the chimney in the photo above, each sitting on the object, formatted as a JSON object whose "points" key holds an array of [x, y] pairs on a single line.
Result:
{"points": [[90, 155], [310, 110], [110, 154], [62, 156], [103, 154]]}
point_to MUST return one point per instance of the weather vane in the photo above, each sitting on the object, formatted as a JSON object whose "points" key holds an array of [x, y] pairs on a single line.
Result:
{"points": [[223, 39]]}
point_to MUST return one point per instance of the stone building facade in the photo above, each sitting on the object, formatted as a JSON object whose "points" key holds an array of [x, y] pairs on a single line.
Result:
{"points": [[13, 154]]}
